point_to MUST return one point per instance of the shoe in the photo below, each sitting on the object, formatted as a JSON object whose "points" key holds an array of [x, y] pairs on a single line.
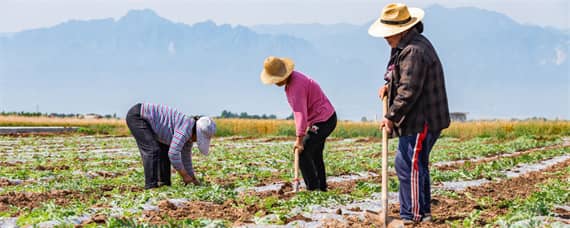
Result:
{"points": [[427, 218], [160, 184], [150, 187], [408, 221]]}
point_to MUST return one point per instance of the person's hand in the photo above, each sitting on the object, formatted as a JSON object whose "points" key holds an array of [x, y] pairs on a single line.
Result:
{"points": [[388, 124], [195, 181], [187, 178], [299, 144], [190, 179], [382, 91]]}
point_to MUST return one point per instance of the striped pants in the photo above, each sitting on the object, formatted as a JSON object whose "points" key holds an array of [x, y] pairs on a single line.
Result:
{"points": [[412, 167]]}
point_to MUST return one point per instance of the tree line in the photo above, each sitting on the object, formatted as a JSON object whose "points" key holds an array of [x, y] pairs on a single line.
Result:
{"points": [[245, 115], [60, 115]]}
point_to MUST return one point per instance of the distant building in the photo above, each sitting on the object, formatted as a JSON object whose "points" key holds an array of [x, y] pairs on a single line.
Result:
{"points": [[92, 116], [458, 116]]}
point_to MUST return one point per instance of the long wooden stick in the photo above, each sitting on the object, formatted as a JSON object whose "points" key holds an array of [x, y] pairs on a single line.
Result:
{"points": [[384, 213], [296, 181]]}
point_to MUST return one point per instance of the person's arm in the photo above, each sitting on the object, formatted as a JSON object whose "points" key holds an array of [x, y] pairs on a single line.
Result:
{"points": [[298, 100], [187, 162], [174, 154], [412, 75]]}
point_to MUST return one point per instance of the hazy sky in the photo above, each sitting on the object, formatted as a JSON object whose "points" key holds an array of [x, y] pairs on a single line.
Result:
{"points": [[17, 15]]}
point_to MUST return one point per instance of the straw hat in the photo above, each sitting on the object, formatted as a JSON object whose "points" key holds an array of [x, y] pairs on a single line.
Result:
{"points": [[276, 69], [395, 18]]}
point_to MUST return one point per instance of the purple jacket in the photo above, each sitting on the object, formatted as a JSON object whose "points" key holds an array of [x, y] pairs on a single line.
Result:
{"points": [[309, 103]]}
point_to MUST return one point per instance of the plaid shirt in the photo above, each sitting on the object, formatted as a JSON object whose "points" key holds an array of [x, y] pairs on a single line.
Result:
{"points": [[416, 87]]}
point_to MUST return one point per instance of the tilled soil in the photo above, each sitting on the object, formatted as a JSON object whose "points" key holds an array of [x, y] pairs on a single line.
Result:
{"points": [[100, 219], [229, 182], [562, 213], [298, 217], [52, 168], [368, 140], [492, 198], [239, 138], [277, 139], [10, 164], [472, 165], [31, 200], [229, 210], [443, 208], [5, 183], [345, 187], [105, 174]]}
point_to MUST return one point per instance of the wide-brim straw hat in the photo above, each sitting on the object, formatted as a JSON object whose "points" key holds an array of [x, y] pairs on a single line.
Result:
{"points": [[276, 69], [394, 19]]}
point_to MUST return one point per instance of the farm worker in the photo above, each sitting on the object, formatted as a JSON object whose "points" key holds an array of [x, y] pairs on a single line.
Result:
{"points": [[315, 117], [417, 104], [164, 137]]}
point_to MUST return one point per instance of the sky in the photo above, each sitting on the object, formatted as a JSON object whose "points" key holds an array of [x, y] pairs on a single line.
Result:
{"points": [[18, 15]]}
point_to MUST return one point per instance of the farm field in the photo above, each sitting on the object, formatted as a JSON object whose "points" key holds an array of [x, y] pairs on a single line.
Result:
{"points": [[68, 180]]}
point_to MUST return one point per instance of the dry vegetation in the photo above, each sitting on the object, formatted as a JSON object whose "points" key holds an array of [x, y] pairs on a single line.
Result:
{"points": [[248, 127]]}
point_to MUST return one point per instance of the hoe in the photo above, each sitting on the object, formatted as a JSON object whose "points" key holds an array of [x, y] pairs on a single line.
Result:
{"points": [[386, 221]]}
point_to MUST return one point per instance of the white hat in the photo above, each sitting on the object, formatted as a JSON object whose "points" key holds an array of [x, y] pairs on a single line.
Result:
{"points": [[205, 130]]}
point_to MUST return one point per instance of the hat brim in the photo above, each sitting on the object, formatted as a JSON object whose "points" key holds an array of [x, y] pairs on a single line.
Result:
{"points": [[203, 143], [379, 29], [268, 78]]}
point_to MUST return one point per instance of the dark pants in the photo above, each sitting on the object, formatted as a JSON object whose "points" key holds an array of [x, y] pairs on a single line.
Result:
{"points": [[412, 168], [311, 159], [154, 154]]}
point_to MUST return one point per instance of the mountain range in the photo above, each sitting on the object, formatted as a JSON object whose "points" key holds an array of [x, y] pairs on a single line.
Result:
{"points": [[495, 67]]}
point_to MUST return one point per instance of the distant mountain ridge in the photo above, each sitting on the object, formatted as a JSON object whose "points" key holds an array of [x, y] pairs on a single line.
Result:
{"points": [[105, 65]]}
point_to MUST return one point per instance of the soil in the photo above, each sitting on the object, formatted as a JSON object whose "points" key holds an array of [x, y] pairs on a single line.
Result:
{"points": [[286, 191], [368, 140], [239, 138], [229, 182], [105, 174], [32, 200], [472, 165], [562, 213], [443, 208], [52, 168], [446, 209], [10, 164], [371, 219], [277, 139], [42, 134], [5, 183], [230, 210], [122, 188], [96, 219], [298, 217], [3, 207]]}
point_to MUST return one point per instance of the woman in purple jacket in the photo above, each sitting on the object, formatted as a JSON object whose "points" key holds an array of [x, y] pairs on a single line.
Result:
{"points": [[312, 110]]}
